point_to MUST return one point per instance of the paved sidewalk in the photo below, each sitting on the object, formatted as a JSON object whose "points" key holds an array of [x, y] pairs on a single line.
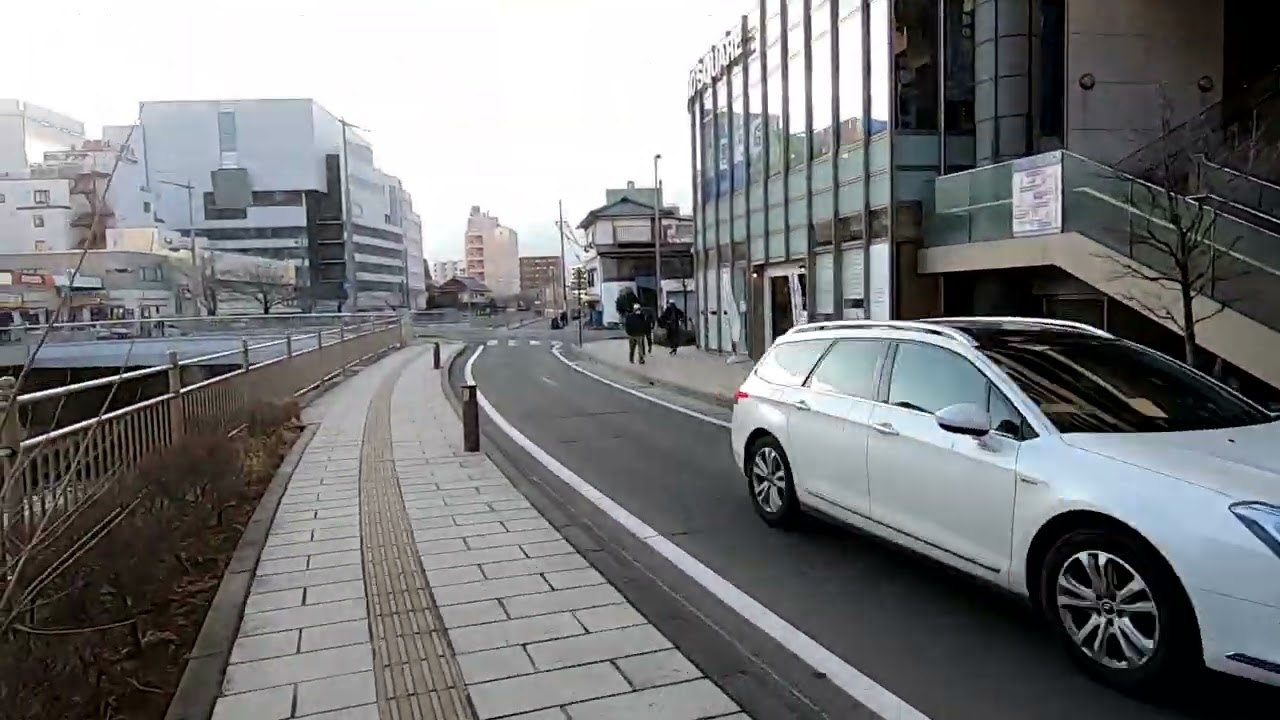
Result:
{"points": [[404, 578], [690, 369]]}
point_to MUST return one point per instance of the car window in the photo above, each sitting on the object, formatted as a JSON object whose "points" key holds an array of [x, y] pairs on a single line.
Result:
{"points": [[1101, 385], [1005, 418], [790, 363], [928, 378], [850, 368]]}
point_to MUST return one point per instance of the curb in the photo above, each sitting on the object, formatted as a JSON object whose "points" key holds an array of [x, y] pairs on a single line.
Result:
{"points": [[702, 395], [201, 681]]}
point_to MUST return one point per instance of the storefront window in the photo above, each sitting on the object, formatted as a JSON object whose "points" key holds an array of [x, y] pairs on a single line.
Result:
{"points": [[916, 64], [723, 157], [798, 142], [823, 135], [752, 125], [708, 158], [737, 141]]}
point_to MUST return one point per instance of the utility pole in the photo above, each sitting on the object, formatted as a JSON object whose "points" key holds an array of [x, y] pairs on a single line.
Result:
{"points": [[657, 236], [564, 267], [348, 244], [191, 235]]}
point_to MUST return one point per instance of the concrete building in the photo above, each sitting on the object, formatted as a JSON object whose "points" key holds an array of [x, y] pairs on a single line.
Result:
{"points": [[542, 281], [444, 270], [492, 253], [620, 255], [268, 178], [415, 263], [981, 156], [28, 130]]}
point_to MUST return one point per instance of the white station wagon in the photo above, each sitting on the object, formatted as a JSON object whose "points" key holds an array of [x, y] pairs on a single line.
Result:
{"points": [[1132, 499]]}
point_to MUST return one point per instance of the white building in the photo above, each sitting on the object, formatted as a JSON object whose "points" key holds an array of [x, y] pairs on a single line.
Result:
{"points": [[53, 205], [281, 179], [27, 131], [492, 253], [414, 258], [445, 270]]}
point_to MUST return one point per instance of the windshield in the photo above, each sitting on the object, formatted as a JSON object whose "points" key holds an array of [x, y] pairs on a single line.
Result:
{"points": [[1097, 385]]}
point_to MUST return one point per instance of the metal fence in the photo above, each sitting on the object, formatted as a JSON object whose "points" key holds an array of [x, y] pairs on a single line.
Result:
{"points": [[49, 473]]}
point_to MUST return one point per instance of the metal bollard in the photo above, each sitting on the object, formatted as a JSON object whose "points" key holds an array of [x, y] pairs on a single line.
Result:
{"points": [[435, 356], [470, 419]]}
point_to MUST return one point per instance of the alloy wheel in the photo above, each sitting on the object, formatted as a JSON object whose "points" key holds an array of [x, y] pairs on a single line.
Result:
{"points": [[769, 479], [1108, 610]]}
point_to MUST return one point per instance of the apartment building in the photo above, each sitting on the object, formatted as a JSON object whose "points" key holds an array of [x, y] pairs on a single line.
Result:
{"points": [[27, 131], [492, 253], [274, 178], [445, 270], [542, 280]]}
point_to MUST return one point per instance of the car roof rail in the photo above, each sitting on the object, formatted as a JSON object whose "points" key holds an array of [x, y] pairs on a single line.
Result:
{"points": [[932, 329], [1045, 322]]}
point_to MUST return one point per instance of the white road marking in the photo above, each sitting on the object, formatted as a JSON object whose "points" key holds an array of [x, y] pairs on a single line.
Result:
{"points": [[512, 343], [845, 676], [549, 381], [535, 342], [491, 343], [670, 406]]}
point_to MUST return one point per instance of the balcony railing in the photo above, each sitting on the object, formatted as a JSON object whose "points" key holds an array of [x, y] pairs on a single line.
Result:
{"points": [[1125, 214], [48, 472]]}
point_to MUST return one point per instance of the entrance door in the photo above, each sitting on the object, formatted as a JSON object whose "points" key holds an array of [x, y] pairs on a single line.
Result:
{"points": [[780, 306]]}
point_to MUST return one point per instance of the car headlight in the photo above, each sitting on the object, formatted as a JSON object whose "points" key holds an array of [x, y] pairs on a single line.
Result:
{"points": [[1263, 520]]}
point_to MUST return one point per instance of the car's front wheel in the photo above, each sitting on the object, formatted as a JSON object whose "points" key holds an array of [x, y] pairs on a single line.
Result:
{"points": [[1118, 608], [769, 479]]}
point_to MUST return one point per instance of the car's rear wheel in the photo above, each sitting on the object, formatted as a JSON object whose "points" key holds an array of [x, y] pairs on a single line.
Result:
{"points": [[1120, 611], [769, 480]]}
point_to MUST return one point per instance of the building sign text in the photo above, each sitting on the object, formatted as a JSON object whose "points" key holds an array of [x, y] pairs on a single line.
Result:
{"points": [[716, 62]]}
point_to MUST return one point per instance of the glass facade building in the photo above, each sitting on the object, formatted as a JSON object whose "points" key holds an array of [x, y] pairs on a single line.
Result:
{"points": [[816, 129]]}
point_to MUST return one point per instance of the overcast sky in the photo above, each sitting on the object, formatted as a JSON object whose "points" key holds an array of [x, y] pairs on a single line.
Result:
{"points": [[507, 104]]}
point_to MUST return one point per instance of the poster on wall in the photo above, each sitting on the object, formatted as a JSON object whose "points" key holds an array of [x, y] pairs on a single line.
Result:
{"points": [[880, 279], [730, 310], [1037, 195], [799, 313]]}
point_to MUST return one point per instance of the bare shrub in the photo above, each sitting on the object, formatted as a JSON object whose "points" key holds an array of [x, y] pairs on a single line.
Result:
{"points": [[106, 636]]}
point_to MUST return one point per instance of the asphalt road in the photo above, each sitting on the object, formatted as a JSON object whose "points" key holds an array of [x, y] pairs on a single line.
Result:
{"points": [[950, 647]]}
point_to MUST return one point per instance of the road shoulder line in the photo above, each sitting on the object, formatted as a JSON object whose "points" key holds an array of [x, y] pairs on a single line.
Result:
{"points": [[853, 682], [555, 350]]}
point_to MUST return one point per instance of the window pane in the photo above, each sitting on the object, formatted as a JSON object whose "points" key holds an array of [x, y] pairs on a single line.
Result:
{"points": [[737, 162], [881, 66], [916, 60], [798, 142], [1004, 417], [773, 86], [1084, 384], [790, 363], [850, 29], [820, 143], [227, 131], [850, 369], [929, 378]]}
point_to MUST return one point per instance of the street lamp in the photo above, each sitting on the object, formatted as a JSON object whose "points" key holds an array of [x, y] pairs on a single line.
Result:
{"points": [[657, 235], [191, 234]]}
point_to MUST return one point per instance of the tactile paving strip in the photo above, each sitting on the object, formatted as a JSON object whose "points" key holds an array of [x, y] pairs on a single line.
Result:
{"points": [[416, 674]]}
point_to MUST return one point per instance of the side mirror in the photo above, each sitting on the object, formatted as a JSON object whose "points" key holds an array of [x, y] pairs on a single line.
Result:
{"points": [[964, 419]]}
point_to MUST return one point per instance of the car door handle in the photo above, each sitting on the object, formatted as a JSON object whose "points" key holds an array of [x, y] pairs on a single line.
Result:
{"points": [[801, 405], [884, 428]]}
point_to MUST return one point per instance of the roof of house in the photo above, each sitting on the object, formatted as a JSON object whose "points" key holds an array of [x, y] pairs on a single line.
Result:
{"points": [[462, 282], [623, 207]]}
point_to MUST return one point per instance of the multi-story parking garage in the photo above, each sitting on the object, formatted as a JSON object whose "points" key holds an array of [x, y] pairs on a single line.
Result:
{"points": [[905, 158]]}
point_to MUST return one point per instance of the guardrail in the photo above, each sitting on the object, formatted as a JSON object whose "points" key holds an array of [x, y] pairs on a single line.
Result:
{"points": [[47, 474], [181, 326]]}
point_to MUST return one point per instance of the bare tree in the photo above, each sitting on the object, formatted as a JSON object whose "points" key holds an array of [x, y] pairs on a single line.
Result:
{"points": [[1179, 241], [266, 287]]}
